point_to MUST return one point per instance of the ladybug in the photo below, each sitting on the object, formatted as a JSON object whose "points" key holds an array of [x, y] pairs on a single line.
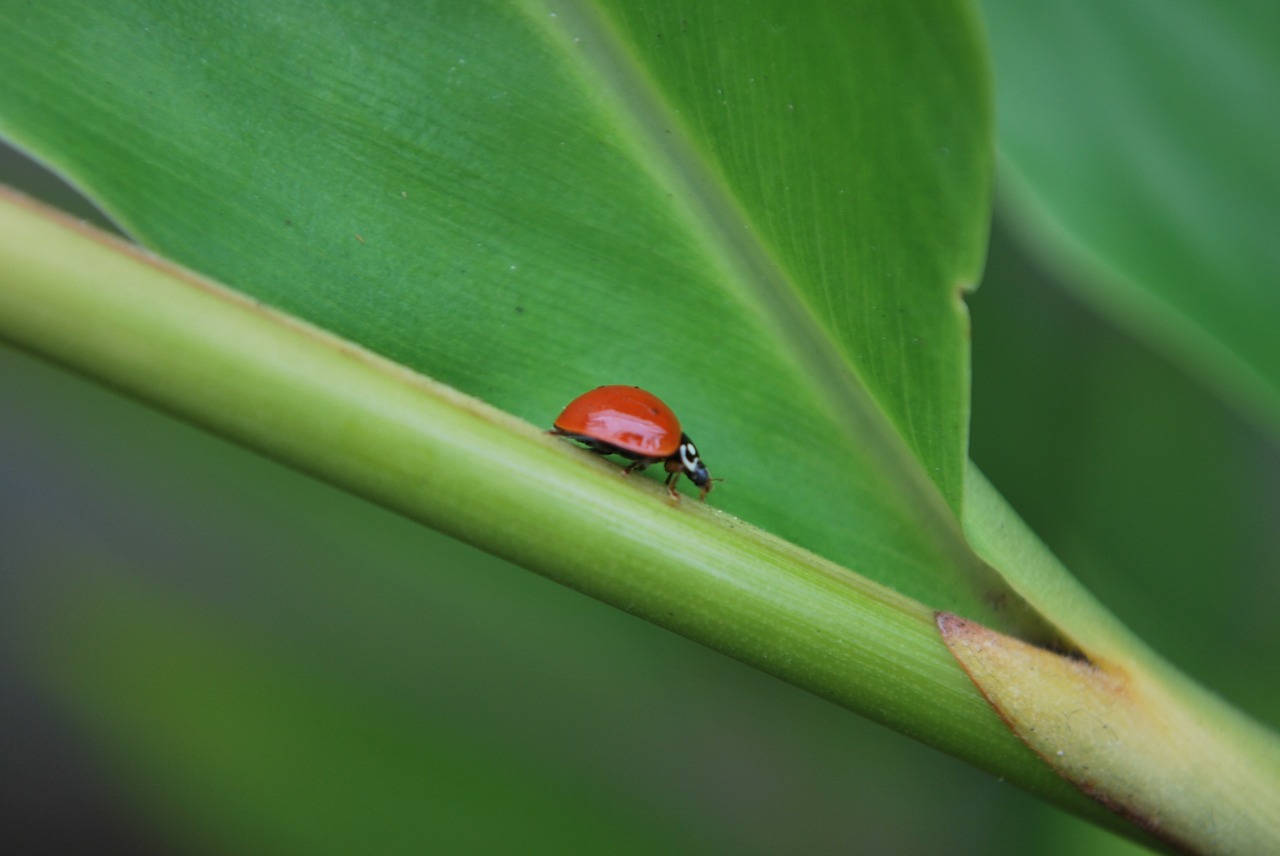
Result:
{"points": [[633, 423]]}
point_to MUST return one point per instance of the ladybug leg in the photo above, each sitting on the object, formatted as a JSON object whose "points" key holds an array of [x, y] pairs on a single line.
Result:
{"points": [[635, 466], [671, 483]]}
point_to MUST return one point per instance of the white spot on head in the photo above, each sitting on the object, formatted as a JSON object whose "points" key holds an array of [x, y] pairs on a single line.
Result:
{"points": [[688, 456]]}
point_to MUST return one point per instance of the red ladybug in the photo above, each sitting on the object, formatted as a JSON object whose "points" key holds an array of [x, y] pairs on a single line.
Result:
{"points": [[627, 421]]}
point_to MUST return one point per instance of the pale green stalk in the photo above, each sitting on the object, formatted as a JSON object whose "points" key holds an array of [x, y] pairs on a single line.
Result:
{"points": [[370, 426]]}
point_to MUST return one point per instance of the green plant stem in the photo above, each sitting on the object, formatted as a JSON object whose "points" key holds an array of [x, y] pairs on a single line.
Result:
{"points": [[358, 421], [382, 432]]}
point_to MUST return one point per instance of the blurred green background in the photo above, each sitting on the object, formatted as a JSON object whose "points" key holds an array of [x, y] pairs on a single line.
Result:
{"points": [[331, 668]]}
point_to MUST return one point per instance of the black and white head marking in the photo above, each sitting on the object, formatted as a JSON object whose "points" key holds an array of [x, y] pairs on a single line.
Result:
{"points": [[691, 463]]}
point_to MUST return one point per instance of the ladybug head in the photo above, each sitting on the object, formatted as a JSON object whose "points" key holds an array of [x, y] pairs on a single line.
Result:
{"points": [[692, 465]]}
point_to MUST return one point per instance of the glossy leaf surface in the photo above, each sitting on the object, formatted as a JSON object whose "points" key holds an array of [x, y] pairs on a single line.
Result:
{"points": [[762, 214]]}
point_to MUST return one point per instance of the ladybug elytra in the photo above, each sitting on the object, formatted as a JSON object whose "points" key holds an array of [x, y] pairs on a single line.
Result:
{"points": [[633, 423]]}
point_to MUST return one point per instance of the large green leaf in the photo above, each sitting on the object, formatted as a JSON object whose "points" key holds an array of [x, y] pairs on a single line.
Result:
{"points": [[764, 214], [1140, 141]]}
